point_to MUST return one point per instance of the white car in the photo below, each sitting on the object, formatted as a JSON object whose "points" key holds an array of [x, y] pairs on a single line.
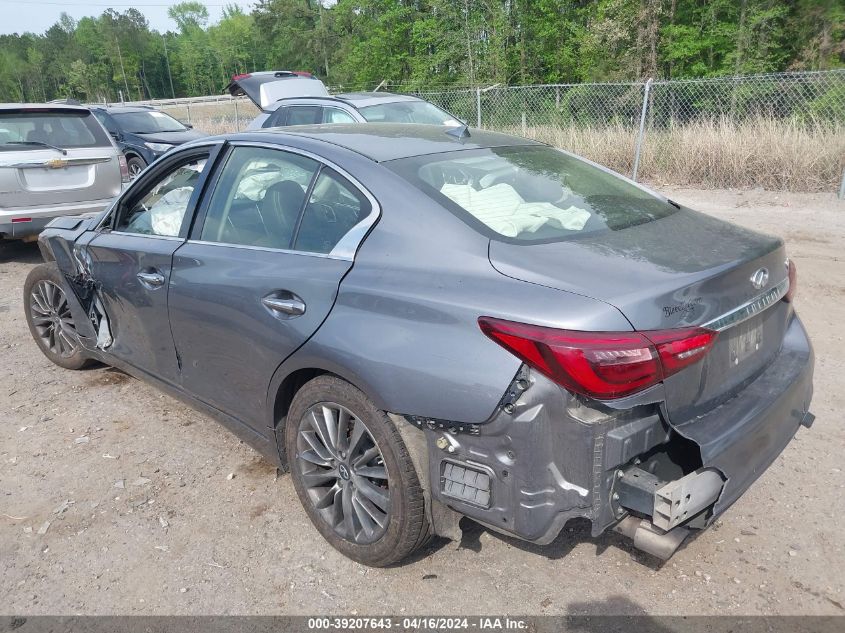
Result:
{"points": [[55, 160]]}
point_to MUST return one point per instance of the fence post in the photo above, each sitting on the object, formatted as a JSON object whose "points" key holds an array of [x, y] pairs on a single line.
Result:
{"points": [[842, 187], [478, 107], [642, 129], [237, 118], [188, 110]]}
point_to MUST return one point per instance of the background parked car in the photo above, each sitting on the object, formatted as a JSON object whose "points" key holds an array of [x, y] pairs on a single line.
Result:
{"points": [[55, 160], [355, 107], [143, 133], [298, 98]]}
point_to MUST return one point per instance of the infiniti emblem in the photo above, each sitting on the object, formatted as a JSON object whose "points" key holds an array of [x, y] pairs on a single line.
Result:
{"points": [[760, 278]]}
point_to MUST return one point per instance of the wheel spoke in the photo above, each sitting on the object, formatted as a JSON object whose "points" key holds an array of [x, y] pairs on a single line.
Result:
{"points": [[313, 457], [330, 422], [337, 508], [348, 519], [343, 430], [318, 423], [358, 434], [374, 513], [368, 456], [315, 443], [364, 518], [372, 492], [373, 472], [326, 500], [317, 478]]}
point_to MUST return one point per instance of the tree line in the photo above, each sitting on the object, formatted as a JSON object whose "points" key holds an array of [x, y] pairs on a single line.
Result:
{"points": [[419, 44]]}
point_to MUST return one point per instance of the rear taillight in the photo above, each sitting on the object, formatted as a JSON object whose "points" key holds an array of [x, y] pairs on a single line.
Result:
{"points": [[602, 365], [124, 169], [241, 76], [793, 281]]}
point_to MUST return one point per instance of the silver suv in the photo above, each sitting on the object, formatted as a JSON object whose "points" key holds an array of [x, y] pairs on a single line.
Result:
{"points": [[54, 160]]}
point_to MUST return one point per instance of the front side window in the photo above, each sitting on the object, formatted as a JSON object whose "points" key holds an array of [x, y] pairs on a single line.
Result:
{"points": [[304, 115], [161, 208], [32, 130], [408, 112], [531, 193], [334, 207], [258, 198]]}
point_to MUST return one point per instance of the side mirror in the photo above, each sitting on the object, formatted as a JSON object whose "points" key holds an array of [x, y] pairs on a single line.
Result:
{"points": [[188, 125], [117, 136]]}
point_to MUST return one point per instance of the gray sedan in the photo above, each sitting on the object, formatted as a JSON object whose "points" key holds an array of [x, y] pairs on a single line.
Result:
{"points": [[425, 325]]}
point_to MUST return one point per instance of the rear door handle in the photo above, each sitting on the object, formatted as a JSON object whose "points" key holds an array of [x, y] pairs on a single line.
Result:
{"points": [[289, 307], [151, 278]]}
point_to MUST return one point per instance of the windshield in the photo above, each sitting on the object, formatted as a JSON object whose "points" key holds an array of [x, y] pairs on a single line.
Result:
{"points": [[531, 193], [28, 130], [151, 122], [407, 112]]}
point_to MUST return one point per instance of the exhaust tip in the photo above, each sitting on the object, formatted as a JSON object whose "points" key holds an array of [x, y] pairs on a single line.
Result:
{"points": [[650, 539]]}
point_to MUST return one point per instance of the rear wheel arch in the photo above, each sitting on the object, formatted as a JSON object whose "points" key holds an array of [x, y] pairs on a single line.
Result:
{"points": [[282, 393]]}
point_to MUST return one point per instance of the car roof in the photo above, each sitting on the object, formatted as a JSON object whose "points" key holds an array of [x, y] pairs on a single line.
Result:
{"points": [[122, 109], [387, 141], [363, 99], [53, 107], [354, 99]]}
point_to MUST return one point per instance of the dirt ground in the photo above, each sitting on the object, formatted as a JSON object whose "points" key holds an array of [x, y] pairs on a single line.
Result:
{"points": [[116, 499]]}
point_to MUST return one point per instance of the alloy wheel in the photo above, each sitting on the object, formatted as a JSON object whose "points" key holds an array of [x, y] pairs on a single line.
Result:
{"points": [[50, 313], [343, 472]]}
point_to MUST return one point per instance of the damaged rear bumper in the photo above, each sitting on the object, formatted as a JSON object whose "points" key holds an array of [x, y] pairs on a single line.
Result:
{"points": [[548, 456]]}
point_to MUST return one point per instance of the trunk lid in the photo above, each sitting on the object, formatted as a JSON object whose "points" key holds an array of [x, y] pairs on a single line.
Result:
{"points": [[264, 88], [686, 269]]}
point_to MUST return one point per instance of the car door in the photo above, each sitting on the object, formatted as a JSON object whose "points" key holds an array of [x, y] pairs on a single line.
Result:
{"points": [[130, 259], [243, 295]]}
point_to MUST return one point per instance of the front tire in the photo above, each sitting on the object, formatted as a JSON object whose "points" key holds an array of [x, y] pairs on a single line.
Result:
{"points": [[353, 473], [136, 165], [49, 318]]}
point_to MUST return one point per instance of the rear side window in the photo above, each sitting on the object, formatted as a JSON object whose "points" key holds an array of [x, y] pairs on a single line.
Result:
{"points": [[258, 198], [334, 207], [530, 193], [336, 115], [31, 130]]}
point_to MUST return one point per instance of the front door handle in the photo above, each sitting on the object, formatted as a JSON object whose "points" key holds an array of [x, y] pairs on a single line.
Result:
{"points": [[289, 307], [151, 278]]}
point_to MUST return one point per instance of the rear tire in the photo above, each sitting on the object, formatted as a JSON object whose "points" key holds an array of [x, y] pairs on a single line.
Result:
{"points": [[353, 473], [49, 319]]}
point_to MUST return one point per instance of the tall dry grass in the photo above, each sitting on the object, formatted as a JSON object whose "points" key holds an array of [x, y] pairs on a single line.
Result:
{"points": [[762, 152], [215, 118]]}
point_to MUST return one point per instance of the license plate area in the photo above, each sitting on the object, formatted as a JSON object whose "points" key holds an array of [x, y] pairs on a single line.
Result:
{"points": [[745, 340]]}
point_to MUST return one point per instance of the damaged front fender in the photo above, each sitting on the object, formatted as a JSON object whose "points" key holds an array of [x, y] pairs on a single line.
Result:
{"points": [[64, 242]]}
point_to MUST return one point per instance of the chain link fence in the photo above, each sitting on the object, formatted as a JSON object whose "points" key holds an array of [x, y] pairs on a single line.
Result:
{"points": [[777, 131]]}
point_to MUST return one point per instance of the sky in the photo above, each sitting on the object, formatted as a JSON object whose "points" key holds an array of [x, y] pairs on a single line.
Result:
{"points": [[36, 16]]}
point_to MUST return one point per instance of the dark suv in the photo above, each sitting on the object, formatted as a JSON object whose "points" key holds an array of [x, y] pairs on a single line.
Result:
{"points": [[143, 133]]}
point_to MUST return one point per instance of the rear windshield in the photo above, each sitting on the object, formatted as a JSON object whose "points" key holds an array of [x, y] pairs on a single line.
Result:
{"points": [[151, 122], [530, 194], [29, 130], [407, 112]]}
